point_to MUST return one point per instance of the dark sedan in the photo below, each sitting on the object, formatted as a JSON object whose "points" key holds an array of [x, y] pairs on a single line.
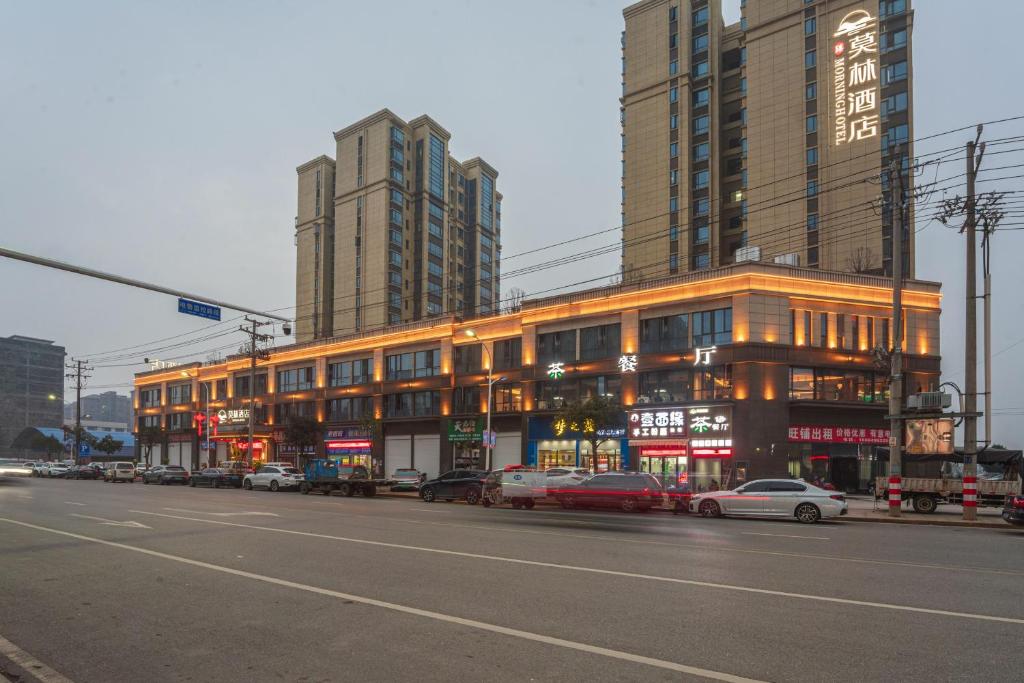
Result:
{"points": [[83, 472], [457, 484], [627, 491], [1013, 510], [165, 474], [216, 477]]}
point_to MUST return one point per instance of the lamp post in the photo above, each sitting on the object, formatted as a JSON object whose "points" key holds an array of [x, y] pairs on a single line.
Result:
{"points": [[491, 381], [206, 424]]}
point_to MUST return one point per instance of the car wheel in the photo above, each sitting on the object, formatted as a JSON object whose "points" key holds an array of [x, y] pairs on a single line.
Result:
{"points": [[710, 508], [304, 488], [247, 485], [346, 490], [273, 486], [427, 495], [808, 513], [473, 496], [568, 502], [145, 481], [628, 504], [486, 501], [516, 504], [528, 504], [192, 483], [216, 483]]}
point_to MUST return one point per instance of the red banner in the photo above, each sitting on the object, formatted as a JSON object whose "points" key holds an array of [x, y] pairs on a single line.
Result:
{"points": [[836, 434]]}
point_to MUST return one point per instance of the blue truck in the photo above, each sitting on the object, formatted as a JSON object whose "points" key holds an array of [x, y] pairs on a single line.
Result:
{"points": [[326, 476]]}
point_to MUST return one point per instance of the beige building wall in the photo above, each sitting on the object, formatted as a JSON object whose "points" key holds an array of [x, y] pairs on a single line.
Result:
{"points": [[314, 237]]}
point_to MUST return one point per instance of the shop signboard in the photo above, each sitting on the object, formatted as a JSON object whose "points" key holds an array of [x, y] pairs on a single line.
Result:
{"points": [[233, 417], [838, 434], [933, 436], [463, 431], [678, 422], [709, 422]]}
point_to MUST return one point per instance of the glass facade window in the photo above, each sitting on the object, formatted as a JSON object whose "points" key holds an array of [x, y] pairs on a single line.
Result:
{"points": [[177, 422], [664, 386], [673, 95], [351, 408], [812, 124], [414, 364], [811, 91], [486, 201], [179, 393], [149, 398], [284, 411], [601, 341], [700, 17], [350, 372], [508, 353], [713, 383], [556, 346], [700, 43], [242, 385], [667, 334], [827, 384], [810, 26], [810, 59], [812, 156], [508, 398], [711, 327], [701, 97], [468, 358], [436, 166], [552, 395], [701, 179], [701, 261], [296, 379], [701, 151], [467, 400], [701, 206], [701, 125], [891, 73]]}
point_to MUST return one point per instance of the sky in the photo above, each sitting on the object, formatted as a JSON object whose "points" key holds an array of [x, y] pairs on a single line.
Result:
{"points": [[159, 141]]}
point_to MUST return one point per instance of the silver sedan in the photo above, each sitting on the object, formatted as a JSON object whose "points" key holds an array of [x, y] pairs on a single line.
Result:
{"points": [[772, 498]]}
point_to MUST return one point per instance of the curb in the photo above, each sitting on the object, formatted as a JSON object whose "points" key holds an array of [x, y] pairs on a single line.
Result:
{"points": [[927, 522]]}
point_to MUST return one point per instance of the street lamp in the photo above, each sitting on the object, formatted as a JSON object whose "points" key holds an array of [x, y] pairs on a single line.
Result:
{"points": [[206, 425], [491, 381]]}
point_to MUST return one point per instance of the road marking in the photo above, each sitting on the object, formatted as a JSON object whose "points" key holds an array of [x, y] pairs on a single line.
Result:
{"points": [[226, 514], [30, 664], [71, 502], [429, 509], [813, 538], [595, 570], [405, 609], [112, 522]]}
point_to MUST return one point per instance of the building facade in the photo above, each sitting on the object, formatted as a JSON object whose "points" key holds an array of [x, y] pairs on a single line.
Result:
{"points": [[767, 139], [394, 229], [723, 375], [31, 388], [107, 407]]}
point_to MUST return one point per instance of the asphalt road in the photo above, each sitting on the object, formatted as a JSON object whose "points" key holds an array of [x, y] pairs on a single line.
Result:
{"points": [[117, 582]]}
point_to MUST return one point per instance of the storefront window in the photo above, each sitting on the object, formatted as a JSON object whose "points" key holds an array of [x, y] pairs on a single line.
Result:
{"points": [[609, 456], [606, 386], [710, 384], [801, 384], [553, 453], [826, 384], [508, 398], [554, 395]]}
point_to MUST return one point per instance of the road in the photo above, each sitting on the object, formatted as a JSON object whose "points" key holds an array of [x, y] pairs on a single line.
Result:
{"points": [[118, 582]]}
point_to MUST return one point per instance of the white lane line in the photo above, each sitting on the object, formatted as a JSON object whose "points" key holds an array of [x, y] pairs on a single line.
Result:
{"points": [[226, 514], [405, 609], [429, 509], [812, 538], [30, 664], [111, 522], [71, 502], [607, 572]]}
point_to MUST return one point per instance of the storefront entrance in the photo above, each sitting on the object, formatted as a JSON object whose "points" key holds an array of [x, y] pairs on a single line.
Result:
{"points": [[669, 470], [556, 453]]}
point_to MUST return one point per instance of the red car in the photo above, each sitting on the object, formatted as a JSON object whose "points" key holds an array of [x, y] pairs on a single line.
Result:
{"points": [[627, 491]]}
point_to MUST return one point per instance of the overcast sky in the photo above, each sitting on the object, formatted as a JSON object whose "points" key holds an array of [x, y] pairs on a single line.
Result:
{"points": [[160, 141]]}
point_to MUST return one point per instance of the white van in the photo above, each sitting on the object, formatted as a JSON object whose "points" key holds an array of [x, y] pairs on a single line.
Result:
{"points": [[120, 471]]}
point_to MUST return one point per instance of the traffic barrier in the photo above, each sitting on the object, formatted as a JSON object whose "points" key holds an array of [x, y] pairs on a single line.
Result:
{"points": [[970, 494], [895, 491]]}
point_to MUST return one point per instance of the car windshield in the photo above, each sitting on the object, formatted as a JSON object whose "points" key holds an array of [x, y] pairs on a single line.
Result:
{"points": [[290, 470], [125, 466]]}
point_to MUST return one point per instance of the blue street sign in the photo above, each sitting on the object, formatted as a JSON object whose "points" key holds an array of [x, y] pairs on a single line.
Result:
{"points": [[83, 449], [196, 308]]}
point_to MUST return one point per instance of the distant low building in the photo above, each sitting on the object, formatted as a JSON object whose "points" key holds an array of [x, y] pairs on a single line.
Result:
{"points": [[106, 407], [99, 426]]}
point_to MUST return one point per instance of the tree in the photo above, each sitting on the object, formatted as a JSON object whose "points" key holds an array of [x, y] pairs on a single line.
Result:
{"points": [[108, 445], [514, 300], [149, 437], [305, 433], [47, 444], [590, 418], [862, 260]]}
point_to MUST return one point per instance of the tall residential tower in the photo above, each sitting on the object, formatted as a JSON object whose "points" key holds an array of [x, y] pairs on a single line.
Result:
{"points": [[395, 230], [766, 139]]}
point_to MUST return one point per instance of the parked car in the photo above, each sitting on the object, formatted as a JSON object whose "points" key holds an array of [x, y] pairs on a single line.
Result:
{"points": [[165, 474], [772, 498], [82, 472], [216, 477], [454, 485], [273, 478], [1013, 510], [561, 477], [14, 468], [628, 491], [239, 467], [56, 469], [407, 479], [40, 468], [119, 471]]}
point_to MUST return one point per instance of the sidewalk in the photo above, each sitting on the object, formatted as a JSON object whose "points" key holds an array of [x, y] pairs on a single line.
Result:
{"points": [[865, 509]]}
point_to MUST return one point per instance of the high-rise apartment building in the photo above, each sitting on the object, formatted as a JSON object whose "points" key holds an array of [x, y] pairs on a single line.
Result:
{"points": [[766, 139], [394, 229], [31, 388]]}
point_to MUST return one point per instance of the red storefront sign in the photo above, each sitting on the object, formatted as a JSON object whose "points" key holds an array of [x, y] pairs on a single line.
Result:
{"points": [[711, 452], [663, 450], [836, 434]]}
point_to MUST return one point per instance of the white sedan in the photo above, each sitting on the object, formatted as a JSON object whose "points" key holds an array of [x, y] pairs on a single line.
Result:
{"points": [[561, 477], [273, 478], [772, 498]]}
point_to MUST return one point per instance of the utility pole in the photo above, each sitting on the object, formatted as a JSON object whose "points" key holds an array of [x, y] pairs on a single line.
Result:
{"points": [[896, 360], [254, 353], [970, 483], [78, 374]]}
